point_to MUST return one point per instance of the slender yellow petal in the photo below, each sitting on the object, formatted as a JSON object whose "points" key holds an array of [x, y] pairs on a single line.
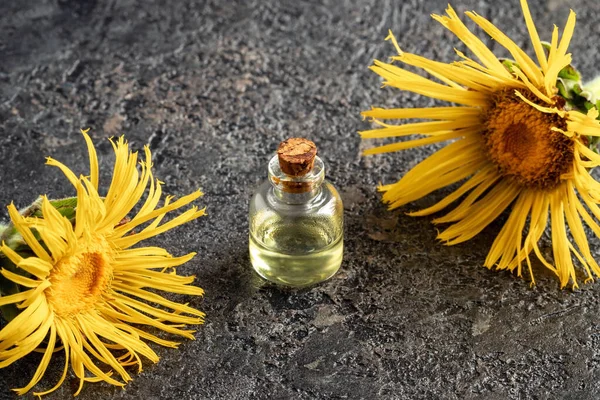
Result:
{"points": [[65, 170], [454, 24], [436, 113], [389, 148], [535, 38], [10, 254], [464, 208], [576, 228], [402, 79], [138, 220], [453, 75], [35, 266], [567, 34], [28, 344], [508, 242], [15, 298], [93, 158], [532, 71], [560, 247], [553, 48], [481, 214], [432, 182], [19, 279], [27, 234], [437, 128], [532, 86], [181, 219], [43, 364], [155, 298], [62, 335], [146, 262], [487, 174]]}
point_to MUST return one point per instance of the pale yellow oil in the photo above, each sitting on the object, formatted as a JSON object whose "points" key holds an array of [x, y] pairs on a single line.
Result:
{"points": [[297, 253]]}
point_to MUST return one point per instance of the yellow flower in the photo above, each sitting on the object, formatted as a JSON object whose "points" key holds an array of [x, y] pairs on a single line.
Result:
{"points": [[514, 141], [87, 287]]}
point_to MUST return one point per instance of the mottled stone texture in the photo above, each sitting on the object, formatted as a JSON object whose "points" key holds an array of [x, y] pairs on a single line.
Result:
{"points": [[212, 87]]}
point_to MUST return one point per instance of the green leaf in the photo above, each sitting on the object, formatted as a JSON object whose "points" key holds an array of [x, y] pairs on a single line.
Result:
{"points": [[569, 72], [508, 64], [562, 90], [66, 207]]}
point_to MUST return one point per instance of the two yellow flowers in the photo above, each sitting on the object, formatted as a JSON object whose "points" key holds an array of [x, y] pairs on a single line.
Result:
{"points": [[73, 281]]}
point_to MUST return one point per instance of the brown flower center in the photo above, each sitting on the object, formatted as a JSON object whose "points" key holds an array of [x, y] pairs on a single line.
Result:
{"points": [[78, 281], [520, 141]]}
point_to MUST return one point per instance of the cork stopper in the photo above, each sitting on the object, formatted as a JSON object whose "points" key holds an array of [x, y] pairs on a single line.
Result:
{"points": [[296, 156]]}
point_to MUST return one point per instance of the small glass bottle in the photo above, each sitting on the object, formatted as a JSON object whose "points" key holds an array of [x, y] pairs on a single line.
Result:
{"points": [[296, 219]]}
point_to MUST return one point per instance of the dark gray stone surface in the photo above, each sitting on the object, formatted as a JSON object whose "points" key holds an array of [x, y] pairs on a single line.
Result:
{"points": [[212, 87]]}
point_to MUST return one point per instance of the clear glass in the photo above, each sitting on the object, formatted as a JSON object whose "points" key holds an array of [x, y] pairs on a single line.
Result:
{"points": [[296, 227]]}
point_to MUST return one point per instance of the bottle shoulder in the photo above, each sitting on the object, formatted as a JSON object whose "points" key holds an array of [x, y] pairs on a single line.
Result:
{"points": [[332, 189], [265, 197]]}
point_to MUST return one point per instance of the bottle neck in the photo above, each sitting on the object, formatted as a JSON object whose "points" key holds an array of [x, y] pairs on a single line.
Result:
{"points": [[296, 190]]}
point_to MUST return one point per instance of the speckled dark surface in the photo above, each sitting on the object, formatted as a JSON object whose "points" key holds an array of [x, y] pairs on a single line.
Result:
{"points": [[212, 87]]}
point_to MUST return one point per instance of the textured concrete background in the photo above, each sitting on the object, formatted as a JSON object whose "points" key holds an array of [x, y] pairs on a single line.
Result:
{"points": [[212, 87]]}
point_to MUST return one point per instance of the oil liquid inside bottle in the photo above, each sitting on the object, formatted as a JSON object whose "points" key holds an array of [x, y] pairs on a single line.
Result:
{"points": [[301, 253]]}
